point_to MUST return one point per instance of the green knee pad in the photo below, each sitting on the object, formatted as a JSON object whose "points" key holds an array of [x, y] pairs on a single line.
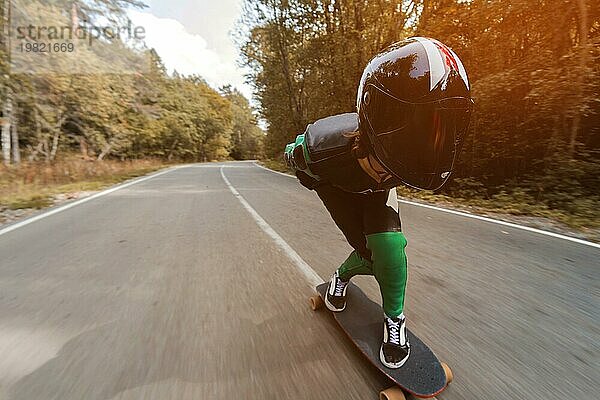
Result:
{"points": [[355, 265], [389, 268]]}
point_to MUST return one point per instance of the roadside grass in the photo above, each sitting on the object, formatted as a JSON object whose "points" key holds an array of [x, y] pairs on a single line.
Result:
{"points": [[276, 165], [35, 185], [582, 215]]}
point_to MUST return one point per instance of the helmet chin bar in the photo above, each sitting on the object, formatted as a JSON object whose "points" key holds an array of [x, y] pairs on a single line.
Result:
{"points": [[441, 178]]}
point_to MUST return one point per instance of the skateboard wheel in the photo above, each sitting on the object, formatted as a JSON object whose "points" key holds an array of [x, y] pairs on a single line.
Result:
{"points": [[448, 372], [393, 393], [316, 302]]}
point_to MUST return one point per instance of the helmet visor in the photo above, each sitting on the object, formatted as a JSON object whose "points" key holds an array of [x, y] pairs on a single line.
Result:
{"points": [[418, 143]]}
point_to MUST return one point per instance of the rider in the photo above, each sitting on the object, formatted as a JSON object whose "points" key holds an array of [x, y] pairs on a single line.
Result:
{"points": [[414, 107]]}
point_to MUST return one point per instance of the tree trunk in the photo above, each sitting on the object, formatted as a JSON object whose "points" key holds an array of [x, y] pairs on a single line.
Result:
{"points": [[45, 150], [5, 38], [583, 43], [172, 150], [6, 141], [84, 148], [15, 145], [6, 119], [54, 145], [7, 109], [283, 54], [42, 146], [33, 153], [105, 151], [57, 132]]}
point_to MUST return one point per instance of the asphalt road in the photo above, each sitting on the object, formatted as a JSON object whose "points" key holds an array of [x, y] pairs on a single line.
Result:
{"points": [[169, 289]]}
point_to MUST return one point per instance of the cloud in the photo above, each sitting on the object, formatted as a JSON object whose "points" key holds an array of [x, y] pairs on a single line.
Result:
{"points": [[188, 53]]}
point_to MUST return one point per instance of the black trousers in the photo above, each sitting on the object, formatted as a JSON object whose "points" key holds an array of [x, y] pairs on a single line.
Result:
{"points": [[361, 214]]}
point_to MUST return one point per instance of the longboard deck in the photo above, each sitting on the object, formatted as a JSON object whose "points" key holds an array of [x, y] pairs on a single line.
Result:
{"points": [[422, 375]]}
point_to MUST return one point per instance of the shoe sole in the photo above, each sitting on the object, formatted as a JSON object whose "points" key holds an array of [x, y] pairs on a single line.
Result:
{"points": [[392, 366]]}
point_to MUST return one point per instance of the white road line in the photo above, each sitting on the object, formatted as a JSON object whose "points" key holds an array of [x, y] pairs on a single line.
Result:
{"points": [[57, 210], [275, 172], [311, 276], [503, 223], [479, 217]]}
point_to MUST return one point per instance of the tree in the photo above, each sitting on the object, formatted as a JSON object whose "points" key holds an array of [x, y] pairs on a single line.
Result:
{"points": [[246, 136], [533, 67]]}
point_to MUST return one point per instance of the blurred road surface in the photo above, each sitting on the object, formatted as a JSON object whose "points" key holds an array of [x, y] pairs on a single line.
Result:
{"points": [[169, 289]]}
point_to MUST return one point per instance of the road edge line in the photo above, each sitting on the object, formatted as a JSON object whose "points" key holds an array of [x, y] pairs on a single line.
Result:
{"points": [[313, 278], [503, 223], [478, 217], [65, 207], [272, 170]]}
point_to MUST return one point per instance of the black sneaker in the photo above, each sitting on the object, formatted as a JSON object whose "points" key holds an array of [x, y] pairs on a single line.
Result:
{"points": [[395, 348], [336, 293]]}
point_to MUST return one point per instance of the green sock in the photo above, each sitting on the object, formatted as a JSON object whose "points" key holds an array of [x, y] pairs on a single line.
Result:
{"points": [[354, 265], [390, 269]]}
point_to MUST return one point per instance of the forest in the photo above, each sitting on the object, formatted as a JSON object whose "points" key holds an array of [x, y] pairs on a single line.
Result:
{"points": [[533, 143], [145, 113], [533, 65]]}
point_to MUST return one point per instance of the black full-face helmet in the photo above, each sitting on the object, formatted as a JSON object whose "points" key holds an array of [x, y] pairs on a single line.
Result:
{"points": [[414, 107]]}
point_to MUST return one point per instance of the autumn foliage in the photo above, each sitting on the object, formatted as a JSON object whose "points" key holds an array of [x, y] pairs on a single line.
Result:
{"points": [[533, 64]]}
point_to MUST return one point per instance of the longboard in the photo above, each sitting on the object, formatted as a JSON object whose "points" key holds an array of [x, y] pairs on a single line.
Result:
{"points": [[423, 375]]}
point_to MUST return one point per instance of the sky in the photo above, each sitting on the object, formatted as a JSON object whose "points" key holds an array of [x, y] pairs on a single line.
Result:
{"points": [[194, 37]]}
